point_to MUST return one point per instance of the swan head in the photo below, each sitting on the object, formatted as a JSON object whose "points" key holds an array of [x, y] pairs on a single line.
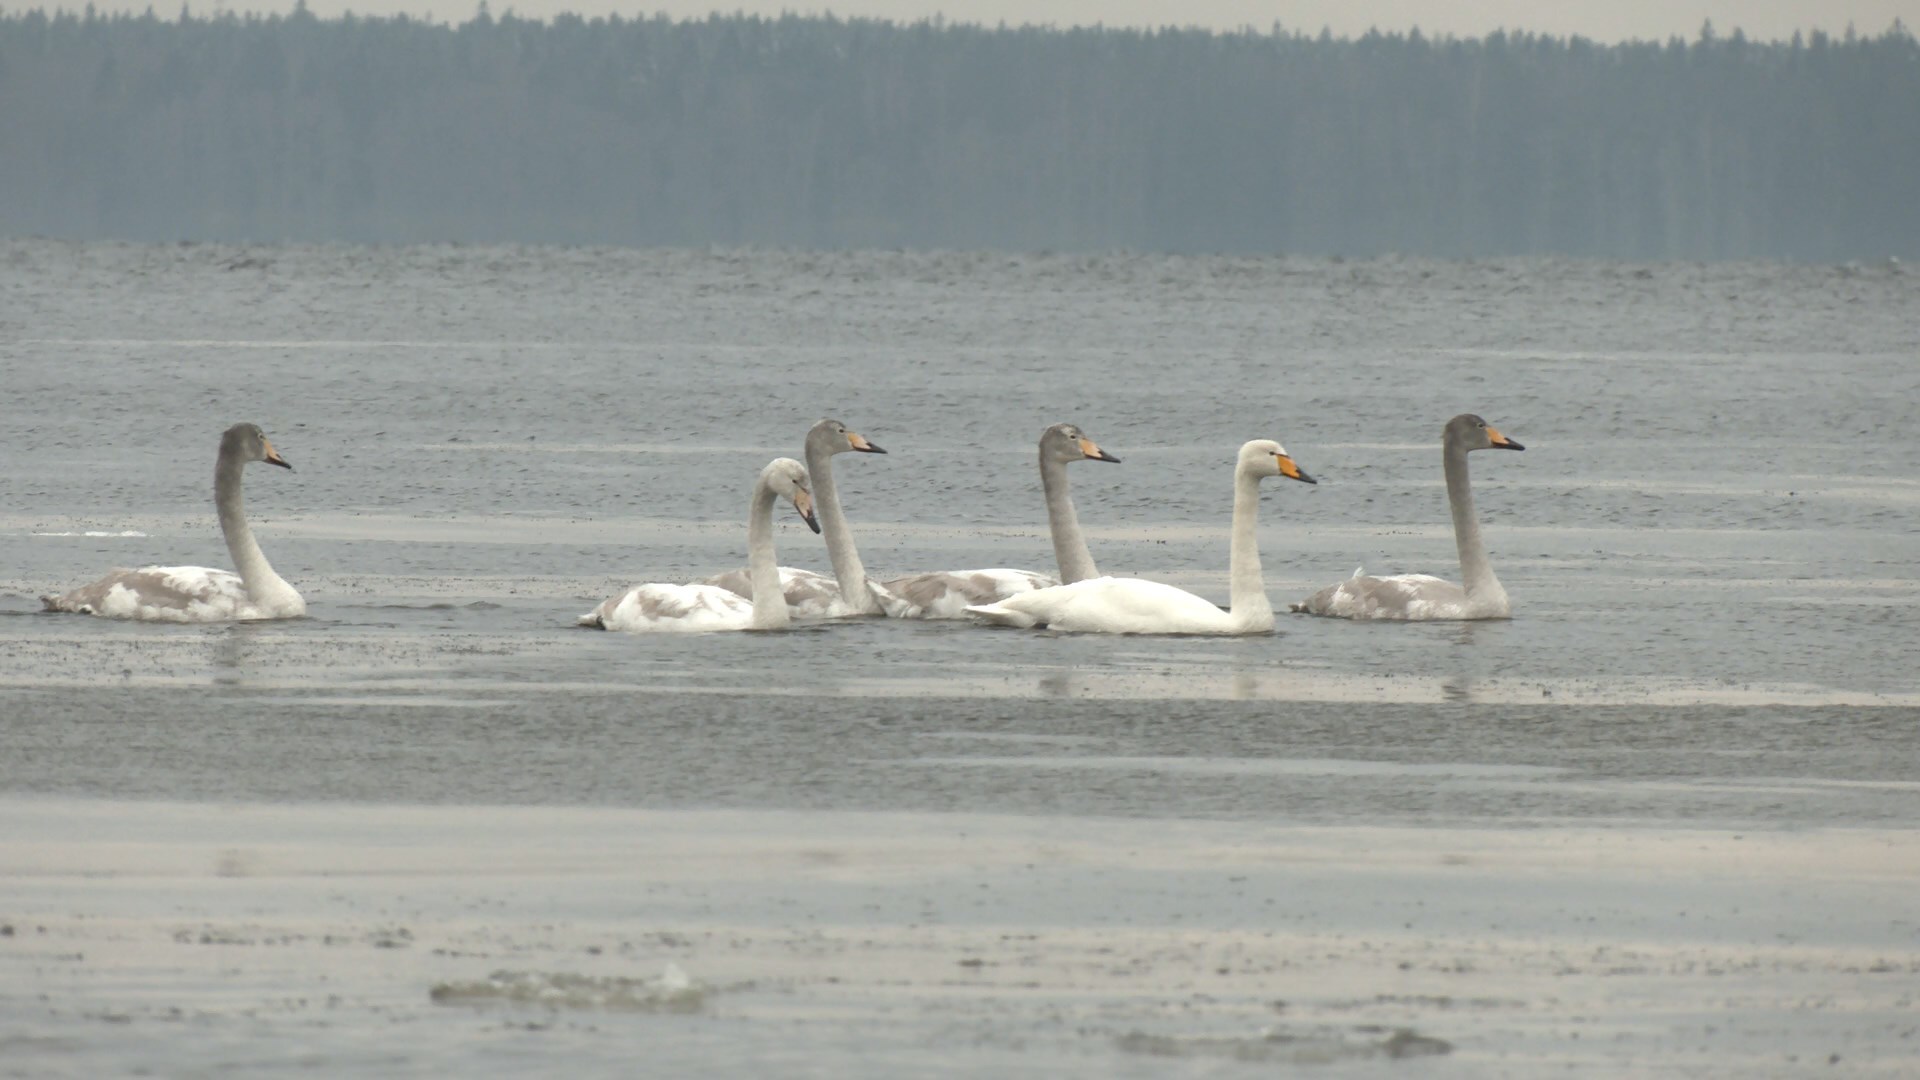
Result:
{"points": [[1264, 457], [1474, 433], [1066, 442], [787, 478], [836, 438], [246, 442]]}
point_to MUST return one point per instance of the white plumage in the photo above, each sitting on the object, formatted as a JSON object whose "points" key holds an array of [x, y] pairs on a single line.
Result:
{"points": [[1115, 605], [197, 594]]}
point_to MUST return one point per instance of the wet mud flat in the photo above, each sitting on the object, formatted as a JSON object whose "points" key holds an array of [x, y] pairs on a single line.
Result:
{"points": [[474, 941]]}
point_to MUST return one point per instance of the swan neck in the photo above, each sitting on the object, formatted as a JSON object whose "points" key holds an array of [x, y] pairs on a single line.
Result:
{"points": [[1248, 604], [248, 560], [1069, 545], [1476, 574], [769, 600], [847, 569]]}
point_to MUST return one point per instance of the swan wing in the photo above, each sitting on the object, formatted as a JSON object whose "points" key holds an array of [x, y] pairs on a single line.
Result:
{"points": [[184, 594], [656, 607], [1110, 605], [948, 594], [810, 594], [1408, 597]]}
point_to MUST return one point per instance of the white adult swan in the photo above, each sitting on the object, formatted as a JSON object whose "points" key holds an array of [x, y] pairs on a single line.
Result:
{"points": [[1411, 597], [198, 593], [811, 594], [1112, 605], [664, 607], [947, 594]]}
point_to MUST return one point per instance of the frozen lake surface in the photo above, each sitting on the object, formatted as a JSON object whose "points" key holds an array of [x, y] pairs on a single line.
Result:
{"points": [[1664, 819]]}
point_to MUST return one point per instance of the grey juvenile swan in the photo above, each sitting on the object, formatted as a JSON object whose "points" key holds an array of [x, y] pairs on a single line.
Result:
{"points": [[811, 594], [1417, 597], [665, 607], [947, 594], [198, 593]]}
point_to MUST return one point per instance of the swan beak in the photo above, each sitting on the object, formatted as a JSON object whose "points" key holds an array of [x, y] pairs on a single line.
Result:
{"points": [[1501, 442], [863, 444], [1291, 471], [1094, 453], [803, 502], [273, 456]]}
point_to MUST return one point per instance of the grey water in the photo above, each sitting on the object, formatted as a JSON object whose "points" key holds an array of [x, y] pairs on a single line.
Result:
{"points": [[887, 848], [1710, 540]]}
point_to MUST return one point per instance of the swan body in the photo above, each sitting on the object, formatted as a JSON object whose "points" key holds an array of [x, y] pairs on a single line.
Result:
{"points": [[200, 594], [1423, 597], [659, 607], [1116, 605], [811, 594], [948, 594]]}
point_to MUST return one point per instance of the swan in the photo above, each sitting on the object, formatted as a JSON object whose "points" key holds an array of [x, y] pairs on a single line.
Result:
{"points": [[1112, 605], [811, 594], [947, 594], [696, 607], [1413, 597], [197, 594]]}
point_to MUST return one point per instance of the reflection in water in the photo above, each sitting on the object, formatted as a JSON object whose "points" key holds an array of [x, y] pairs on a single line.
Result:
{"points": [[1058, 683], [234, 650], [228, 655], [1246, 686], [1457, 688]]}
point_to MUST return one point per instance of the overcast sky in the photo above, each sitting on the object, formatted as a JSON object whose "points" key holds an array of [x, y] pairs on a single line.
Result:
{"points": [[1606, 20]]}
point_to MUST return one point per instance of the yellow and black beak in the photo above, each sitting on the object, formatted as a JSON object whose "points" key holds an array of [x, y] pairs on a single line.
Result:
{"points": [[803, 502], [273, 456], [1291, 471], [863, 444], [1094, 453], [1501, 442]]}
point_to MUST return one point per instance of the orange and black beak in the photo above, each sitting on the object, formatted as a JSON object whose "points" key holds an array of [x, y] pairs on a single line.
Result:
{"points": [[1094, 453], [273, 456], [1291, 471], [1501, 442], [803, 502], [863, 444]]}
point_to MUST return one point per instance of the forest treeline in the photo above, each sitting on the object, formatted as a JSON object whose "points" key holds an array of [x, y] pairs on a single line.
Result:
{"points": [[823, 132]]}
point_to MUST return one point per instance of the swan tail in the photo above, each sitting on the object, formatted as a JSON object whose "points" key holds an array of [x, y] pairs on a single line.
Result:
{"points": [[1002, 616], [592, 621]]}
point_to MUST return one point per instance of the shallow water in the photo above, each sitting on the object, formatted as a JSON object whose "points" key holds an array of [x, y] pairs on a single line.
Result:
{"points": [[1710, 543]]}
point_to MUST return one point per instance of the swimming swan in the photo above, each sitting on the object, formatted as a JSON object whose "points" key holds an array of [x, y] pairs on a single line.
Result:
{"points": [[811, 594], [947, 594], [1111, 605], [1412, 597], [195, 594], [662, 607]]}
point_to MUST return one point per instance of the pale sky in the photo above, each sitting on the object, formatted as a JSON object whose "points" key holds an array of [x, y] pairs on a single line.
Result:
{"points": [[1604, 20]]}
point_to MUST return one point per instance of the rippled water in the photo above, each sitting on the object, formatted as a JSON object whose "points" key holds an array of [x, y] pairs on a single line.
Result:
{"points": [[1711, 540]]}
